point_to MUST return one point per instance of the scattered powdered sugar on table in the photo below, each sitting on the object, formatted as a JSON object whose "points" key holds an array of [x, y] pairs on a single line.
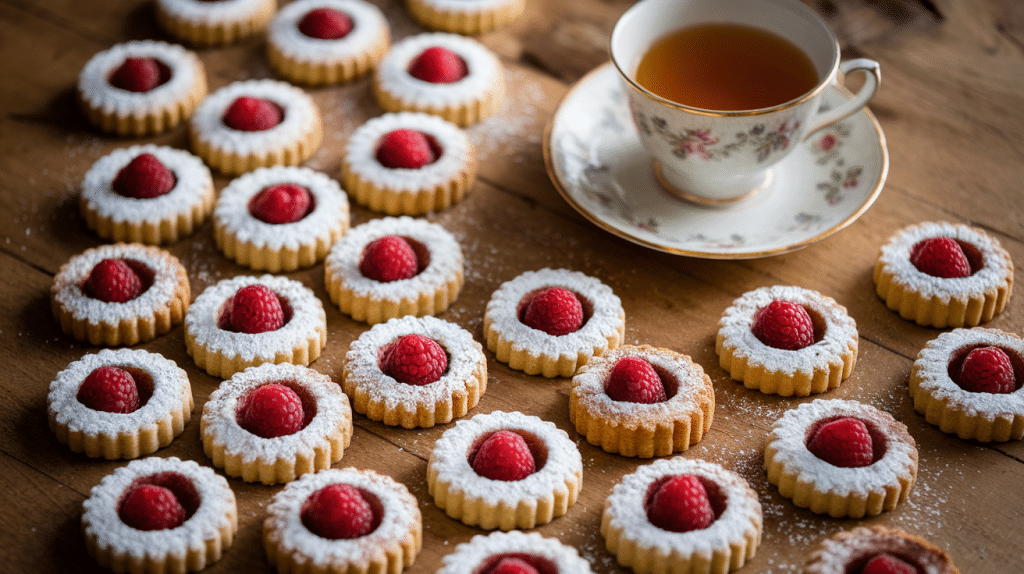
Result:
{"points": [[514, 127]]}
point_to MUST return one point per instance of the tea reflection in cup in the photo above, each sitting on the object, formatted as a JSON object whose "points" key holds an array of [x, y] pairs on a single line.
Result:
{"points": [[721, 156]]}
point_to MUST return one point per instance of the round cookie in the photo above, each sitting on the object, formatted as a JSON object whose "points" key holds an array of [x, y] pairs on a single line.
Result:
{"points": [[465, 16], [214, 23]]}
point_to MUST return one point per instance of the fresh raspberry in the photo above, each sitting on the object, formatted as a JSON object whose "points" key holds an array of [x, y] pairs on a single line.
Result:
{"points": [[151, 507], [252, 114], [415, 360], [326, 24], [843, 442], [137, 75], [271, 411], [886, 563], [438, 65], [987, 370], [634, 380], [390, 258], [940, 257], [405, 149], [113, 281], [111, 390], [783, 325], [681, 504], [256, 309], [338, 511], [145, 177], [504, 456], [555, 310], [512, 565], [282, 203]]}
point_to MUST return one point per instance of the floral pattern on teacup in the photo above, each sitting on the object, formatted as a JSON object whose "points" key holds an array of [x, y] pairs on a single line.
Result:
{"points": [[700, 143]]}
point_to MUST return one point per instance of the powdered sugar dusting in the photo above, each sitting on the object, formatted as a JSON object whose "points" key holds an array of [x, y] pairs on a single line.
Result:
{"points": [[171, 389], [997, 266], [470, 557], [450, 457], [95, 88], [445, 259], [300, 117], [368, 26], [67, 284], [193, 186], [207, 12], [485, 72], [330, 212], [840, 330], [220, 421], [216, 511], [308, 317], [605, 320], [465, 356], [789, 438], [400, 517]]}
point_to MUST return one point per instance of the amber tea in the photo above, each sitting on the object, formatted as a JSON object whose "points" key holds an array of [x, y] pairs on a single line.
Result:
{"points": [[726, 67]]}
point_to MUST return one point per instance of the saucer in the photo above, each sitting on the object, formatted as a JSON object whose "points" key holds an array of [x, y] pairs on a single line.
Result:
{"points": [[597, 163]]}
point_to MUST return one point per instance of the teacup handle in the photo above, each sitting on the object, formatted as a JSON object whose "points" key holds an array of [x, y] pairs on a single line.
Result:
{"points": [[873, 75]]}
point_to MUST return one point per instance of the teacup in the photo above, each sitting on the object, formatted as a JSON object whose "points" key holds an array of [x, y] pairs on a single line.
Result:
{"points": [[717, 157]]}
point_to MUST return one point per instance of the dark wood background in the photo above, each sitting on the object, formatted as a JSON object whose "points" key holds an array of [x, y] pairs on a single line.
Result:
{"points": [[950, 105]]}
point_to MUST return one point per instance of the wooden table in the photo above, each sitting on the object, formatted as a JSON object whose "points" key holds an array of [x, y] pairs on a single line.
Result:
{"points": [[950, 106]]}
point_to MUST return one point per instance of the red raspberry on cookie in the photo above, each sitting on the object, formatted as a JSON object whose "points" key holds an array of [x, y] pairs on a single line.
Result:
{"points": [[555, 310], [438, 65], [843, 442], [504, 456], [255, 309], [512, 565], [113, 281], [271, 411], [783, 325], [282, 203], [940, 257], [151, 507], [389, 258], [137, 75], [338, 511], [111, 390], [886, 563], [326, 24], [680, 504], [406, 149], [249, 114], [415, 360], [145, 177], [634, 380], [987, 370]]}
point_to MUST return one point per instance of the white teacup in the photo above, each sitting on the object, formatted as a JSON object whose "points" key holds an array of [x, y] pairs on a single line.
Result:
{"points": [[720, 156]]}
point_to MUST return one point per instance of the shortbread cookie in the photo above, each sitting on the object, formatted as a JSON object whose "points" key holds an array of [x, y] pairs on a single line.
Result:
{"points": [[280, 219], [650, 540], [642, 401], [944, 275], [119, 404], [892, 549], [539, 345], [274, 423], [159, 515], [343, 520], [503, 551], [255, 123], [408, 164], [393, 267], [147, 194], [504, 470], [415, 372], [247, 321], [968, 382], [787, 341], [141, 88], [841, 458], [465, 16], [120, 294], [447, 75], [319, 42], [210, 23]]}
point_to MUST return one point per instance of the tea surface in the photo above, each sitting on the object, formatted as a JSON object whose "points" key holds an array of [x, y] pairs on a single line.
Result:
{"points": [[726, 67]]}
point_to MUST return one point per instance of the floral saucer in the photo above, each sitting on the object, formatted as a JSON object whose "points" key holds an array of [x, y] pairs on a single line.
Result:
{"points": [[599, 166]]}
